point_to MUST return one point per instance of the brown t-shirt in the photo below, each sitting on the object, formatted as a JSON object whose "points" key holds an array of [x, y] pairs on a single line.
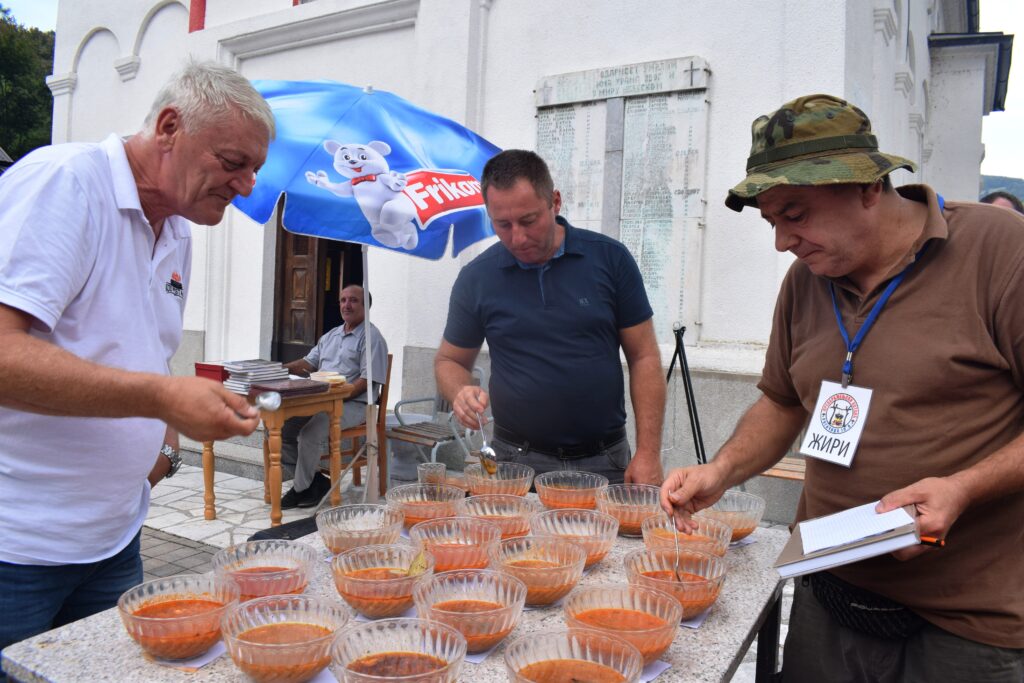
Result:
{"points": [[945, 359]]}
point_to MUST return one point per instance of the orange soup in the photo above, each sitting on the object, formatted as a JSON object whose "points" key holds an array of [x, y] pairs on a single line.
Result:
{"points": [[596, 550], [639, 628], [540, 589], [470, 617], [179, 641], [694, 599], [512, 526], [570, 671], [256, 582], [395, 664], [457, 556], [417, 511], [285, 669], [662, 538], [376, 600], [566, 497]]}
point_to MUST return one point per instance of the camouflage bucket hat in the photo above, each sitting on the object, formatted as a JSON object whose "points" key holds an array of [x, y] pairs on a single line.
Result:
{"points": [[813, 140]]}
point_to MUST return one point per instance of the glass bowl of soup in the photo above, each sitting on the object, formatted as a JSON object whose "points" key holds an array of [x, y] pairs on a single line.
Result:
{"points": [[645, 617], [569, 489], [350, 526], [511, 513], [696, 582], [262, 568], [631, 504], [456, 542], [592, 530], [740, 510], [550, 567], [572, 656], [377, 580], [420, 502], [407, 650], [484, 606], [282, 638], [177, 617], [511, 478], [711, 536]]}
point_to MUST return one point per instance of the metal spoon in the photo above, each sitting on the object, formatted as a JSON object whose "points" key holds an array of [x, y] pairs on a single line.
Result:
{"points": [[675, 537], [268, 400], [488, 458]]}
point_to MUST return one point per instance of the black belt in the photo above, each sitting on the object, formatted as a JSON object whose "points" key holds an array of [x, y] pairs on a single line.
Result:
{"points": [[571, 452]]}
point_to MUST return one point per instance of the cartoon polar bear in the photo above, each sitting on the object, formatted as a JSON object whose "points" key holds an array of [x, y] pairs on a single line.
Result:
{"points": [[376, 188]]}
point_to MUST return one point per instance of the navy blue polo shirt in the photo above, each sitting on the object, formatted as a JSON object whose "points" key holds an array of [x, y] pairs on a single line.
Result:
{"points": [[553, 334]]}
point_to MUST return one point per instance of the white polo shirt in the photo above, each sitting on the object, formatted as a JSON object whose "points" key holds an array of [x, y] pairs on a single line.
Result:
{"points": [[77, 253]]}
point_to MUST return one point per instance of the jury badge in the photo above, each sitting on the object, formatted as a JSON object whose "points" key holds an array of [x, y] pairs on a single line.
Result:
{"points": [[837, 423]]}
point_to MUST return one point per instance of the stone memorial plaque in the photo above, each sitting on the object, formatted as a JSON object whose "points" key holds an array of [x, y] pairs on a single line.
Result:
{"points": [[571, 140], [666, 75]]}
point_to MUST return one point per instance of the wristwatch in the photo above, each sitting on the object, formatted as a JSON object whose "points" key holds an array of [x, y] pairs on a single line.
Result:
{"points": [[173, 456]]}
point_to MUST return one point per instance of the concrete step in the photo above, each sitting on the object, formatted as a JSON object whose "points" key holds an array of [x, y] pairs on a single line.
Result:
{"points": [[241, 456]]}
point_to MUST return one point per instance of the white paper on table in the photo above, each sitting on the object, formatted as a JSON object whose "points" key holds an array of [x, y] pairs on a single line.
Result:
{"points": [[478, 657], [653, 670], [849, 526], [325, 676], [196, 662], [405, 532], [746, 540], [411, 612], [697, 621]]}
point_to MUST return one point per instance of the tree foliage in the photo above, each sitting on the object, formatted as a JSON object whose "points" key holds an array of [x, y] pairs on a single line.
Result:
{"points": [[26, 105]]}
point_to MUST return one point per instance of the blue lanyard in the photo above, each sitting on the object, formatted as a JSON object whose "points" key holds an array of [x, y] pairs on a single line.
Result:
{"points": [[873, 315]]}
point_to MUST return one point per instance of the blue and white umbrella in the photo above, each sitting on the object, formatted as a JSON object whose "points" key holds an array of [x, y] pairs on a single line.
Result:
{"points": [[362, 165]]}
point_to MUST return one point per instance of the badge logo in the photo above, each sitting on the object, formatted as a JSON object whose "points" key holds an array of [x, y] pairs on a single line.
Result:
{"points": [[839, 413], [174, 286]]}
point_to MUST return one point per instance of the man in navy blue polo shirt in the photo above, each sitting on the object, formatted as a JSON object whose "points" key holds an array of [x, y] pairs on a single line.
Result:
{"points": [[555, 304]]}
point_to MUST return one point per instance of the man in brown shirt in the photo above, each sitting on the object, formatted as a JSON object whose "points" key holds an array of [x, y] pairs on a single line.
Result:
{"points": [[945, 361]]}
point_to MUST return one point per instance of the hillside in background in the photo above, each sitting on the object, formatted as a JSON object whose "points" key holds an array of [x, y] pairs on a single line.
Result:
{"points": [[991, 183]]}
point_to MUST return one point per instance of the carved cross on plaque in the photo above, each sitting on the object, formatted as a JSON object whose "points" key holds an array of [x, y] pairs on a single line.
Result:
{"points": [[692, 70]]}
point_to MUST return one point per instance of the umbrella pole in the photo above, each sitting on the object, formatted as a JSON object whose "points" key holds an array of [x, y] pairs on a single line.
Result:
{"points": [[371, 493]]}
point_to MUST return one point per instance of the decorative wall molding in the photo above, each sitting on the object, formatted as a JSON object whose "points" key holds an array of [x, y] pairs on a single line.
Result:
{"points": [[885, 23], [63, 84], [903, 80], [368, 19], [127, 67], [917, 122]]}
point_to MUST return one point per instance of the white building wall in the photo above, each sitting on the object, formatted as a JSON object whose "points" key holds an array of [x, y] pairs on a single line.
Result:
{"points": [[479, 62]]}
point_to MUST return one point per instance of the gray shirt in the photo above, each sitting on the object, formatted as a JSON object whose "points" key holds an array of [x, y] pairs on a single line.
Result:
{"points": [[345, 352]]}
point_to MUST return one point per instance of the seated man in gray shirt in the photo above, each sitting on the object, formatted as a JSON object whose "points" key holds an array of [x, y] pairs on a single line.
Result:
{"points": [[342, 350]]}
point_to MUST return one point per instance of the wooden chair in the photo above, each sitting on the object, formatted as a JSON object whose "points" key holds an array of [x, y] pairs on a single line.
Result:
{"points": [[428, 437], [353, 434]]}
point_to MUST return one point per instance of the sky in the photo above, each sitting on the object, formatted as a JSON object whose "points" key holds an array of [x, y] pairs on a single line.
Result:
{"points": [[1002, 132]]}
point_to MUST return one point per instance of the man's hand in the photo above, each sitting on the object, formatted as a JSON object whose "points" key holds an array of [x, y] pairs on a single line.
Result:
{"points": [[645, 468], [204, 410], [469, 406], [939, 502], [690, 489]]}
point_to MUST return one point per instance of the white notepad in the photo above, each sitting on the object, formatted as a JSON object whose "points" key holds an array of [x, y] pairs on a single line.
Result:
{"points": [[849, 526]]}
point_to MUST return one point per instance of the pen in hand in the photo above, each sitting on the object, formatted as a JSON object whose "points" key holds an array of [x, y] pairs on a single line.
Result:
{"points": [[933, 541]]}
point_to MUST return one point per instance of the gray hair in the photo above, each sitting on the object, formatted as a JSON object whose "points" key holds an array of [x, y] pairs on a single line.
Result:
{"points": [[205, 92]]}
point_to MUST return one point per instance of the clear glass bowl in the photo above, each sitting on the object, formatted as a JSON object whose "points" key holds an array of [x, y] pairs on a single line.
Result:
{"points": [[375, 579], [406, 650], [511, 513], [420, 502], [512, 479], [646, 618], [740, 510], [484, 606], [631, 504], [350, 526], [266, 567], [711, 536], [696, 587], [592, 530], [177, 617], [456, 542], [550, 567], [282, 638], [569, 489], [572, 655]]}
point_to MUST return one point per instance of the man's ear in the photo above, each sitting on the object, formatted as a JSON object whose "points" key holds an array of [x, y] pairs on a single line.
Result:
{"points": [[168, 125], [871, 194]]}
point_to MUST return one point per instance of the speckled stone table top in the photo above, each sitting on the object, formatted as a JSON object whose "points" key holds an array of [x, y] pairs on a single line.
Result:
{"points": [[99, 649]]}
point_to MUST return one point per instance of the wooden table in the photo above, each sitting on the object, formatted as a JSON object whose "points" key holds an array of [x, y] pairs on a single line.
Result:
{"points": [[99, 648], [330, 402]]}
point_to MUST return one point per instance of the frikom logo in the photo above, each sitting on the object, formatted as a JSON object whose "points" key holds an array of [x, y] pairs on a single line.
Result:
{"points": [[437, 193], [839, 413], [174, 286]]}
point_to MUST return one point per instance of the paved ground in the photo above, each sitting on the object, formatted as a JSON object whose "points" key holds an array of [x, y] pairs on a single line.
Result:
{"points": [[165, 554]]}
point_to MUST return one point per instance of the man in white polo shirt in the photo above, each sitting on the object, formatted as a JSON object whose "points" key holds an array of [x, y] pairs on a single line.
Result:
{"points": [[95, 252], [341, 350]]}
